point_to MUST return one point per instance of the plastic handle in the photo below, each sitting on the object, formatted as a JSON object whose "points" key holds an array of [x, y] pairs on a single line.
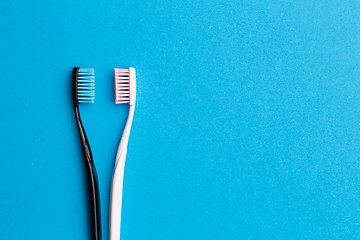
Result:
{"points": [[94, 196], [118, 178], [116, 195]]}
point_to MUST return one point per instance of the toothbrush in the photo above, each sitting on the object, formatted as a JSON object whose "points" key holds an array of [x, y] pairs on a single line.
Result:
{"points": [[125, 92], [84, 92]]}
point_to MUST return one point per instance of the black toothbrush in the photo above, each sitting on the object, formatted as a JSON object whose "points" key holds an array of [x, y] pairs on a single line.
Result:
{"points": [[84, 92]]}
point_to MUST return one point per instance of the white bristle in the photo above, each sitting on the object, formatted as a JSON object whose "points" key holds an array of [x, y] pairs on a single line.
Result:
{"points": [[86, 85], [122, 86]]}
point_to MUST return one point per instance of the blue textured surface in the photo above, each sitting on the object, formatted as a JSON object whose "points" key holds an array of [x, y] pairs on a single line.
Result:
{"points": [[247, 123]]}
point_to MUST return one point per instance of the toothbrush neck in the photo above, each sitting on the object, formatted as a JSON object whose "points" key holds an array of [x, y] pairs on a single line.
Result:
{"points": [[125, 137], [84, 140]]}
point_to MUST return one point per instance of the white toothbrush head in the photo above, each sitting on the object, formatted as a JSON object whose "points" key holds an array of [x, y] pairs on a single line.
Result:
{"points": [[125, 85]]}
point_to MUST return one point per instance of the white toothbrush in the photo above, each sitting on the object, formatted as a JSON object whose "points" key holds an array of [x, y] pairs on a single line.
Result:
{"points": [[125, 92]]}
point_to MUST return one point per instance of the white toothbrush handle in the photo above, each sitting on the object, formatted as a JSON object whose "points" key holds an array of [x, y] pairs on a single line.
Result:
{"points": [[118, 178], [116, 196]]}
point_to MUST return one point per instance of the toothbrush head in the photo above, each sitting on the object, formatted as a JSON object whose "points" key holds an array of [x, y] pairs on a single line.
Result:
{"points": [[125, 86], [83, 85]]}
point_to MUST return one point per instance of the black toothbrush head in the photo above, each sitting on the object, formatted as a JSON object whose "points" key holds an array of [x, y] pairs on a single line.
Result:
{"points": [[83, 85]]}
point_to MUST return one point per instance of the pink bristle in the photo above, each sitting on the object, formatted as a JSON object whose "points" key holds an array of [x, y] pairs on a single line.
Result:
{"points": [[122, 86]]}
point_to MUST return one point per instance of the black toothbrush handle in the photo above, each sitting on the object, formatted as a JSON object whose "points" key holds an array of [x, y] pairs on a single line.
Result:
{"points": [[93, 181]]}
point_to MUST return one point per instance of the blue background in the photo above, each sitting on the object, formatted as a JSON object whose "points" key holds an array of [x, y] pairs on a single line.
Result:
{"points": [[246, 126]]}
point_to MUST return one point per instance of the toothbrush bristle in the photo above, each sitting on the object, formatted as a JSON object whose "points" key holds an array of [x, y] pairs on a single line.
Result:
{"points": [[86, 85], [122, 86]]}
